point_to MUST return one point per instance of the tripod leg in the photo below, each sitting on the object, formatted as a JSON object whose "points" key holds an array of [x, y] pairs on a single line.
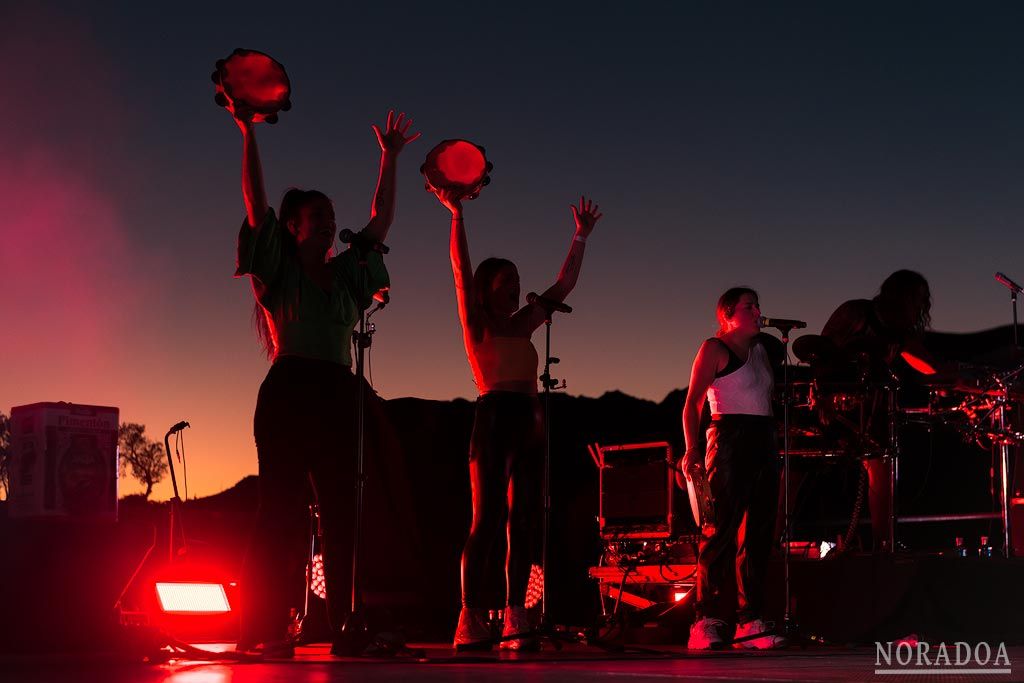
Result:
{"points": [[880, 502]]}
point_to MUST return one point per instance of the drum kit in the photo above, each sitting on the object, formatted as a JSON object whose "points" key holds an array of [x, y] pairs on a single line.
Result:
{"points": [[850, 403], [843, 403]]}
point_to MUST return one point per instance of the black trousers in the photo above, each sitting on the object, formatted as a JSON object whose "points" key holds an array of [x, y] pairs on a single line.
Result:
{"points": [[743, 476], [506, 470], [305, 428]]}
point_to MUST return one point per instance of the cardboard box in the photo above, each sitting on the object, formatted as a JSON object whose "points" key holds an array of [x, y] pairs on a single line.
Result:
{"points": [[63, 461]]}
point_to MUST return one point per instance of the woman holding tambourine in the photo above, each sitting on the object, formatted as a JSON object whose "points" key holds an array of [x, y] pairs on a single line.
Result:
{"points": [[307, 304], [507, 447]]}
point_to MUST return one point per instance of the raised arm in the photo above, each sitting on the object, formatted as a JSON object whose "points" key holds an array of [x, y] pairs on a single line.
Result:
{"points": [[462, 267], [585, 216], [392, 141], [253, 193], [710, 358]]}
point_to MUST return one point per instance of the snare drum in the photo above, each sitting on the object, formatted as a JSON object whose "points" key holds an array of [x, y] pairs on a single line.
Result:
{"points": [[254, 80], [457, 165]]}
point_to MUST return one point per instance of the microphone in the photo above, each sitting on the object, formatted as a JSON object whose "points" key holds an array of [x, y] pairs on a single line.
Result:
{"points": [[547, 304], [1008, 283], [782, 323], [382, 298], [361, 241], [178, 427]]}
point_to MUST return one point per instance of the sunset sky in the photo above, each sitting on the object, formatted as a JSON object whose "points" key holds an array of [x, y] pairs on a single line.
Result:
{"points": [[805, 149]]}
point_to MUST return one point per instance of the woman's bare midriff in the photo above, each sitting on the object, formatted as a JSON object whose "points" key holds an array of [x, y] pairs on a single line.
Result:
{"points": [[517, 386]]}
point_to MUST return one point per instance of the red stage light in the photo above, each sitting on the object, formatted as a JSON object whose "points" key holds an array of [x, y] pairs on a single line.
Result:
{"points": [[317, 581], [192, 598], [535, 588]]}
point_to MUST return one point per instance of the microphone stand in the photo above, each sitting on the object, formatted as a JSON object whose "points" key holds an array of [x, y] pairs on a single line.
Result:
{"points": [[355, 632], [174, 508], [549, 384], [789, 626], [1004, 454], [1014, 289], [316, 536], [546, 629], [1004, 444], [790, 629], [1013, 305]]}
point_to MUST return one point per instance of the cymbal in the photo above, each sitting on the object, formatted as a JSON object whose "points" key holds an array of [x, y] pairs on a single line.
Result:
{"points": [[973, 381], [961, 374], [811, 348], [1012, 393]]}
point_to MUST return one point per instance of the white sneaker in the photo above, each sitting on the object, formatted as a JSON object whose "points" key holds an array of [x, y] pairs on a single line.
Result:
{"points": [[473, 631], [768, 641], [517, 620], [706, 634]]}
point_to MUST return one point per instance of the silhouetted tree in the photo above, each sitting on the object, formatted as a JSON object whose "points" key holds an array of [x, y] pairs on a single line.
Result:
{"points": [[5, 453], [144, 457]]}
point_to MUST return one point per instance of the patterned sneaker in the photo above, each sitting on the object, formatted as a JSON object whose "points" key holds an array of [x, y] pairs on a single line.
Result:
{"points": [[517, 620], [474, 631], [753, 630], [706, 634]]}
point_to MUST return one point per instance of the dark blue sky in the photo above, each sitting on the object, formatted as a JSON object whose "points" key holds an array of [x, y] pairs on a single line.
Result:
{"points": [[806, 149]]}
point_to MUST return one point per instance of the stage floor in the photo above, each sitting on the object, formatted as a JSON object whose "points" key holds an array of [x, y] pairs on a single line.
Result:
{"points": [[314, 664]]}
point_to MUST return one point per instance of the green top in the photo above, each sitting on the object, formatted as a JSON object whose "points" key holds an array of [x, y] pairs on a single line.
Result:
{"points": [[305, 320]]}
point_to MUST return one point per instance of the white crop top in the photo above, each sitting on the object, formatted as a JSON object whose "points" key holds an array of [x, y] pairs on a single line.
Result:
{"points": [[747, 390]]}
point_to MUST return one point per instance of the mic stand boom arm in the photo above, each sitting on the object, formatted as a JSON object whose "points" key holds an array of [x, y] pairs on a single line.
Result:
{"points": [[174, 509]]}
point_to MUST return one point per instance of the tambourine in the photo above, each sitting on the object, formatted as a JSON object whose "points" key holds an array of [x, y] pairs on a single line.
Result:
{"points": [[255, 80], [457, 165], [701, 504]]}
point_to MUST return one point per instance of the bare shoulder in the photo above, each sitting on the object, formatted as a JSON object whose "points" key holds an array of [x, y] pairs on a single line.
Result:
{"points": [[713, 350], [713, 346]]}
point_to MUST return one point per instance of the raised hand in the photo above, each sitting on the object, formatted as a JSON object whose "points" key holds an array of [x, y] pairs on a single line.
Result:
{"points": [[585, 215], [393, 139], [451, 199]]}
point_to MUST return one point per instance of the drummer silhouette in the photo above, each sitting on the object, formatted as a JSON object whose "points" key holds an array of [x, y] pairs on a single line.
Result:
{"points": [[878, 343]]}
